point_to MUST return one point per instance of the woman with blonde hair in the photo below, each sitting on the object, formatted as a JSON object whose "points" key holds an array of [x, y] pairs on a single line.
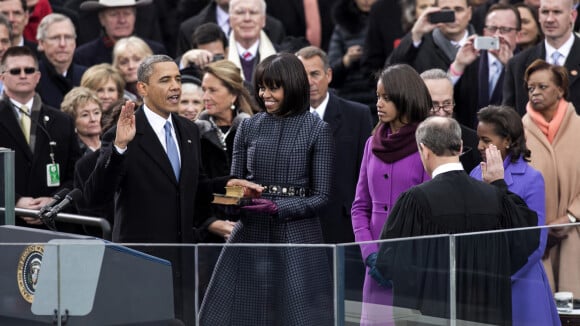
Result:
{"points": [[85, 107], [227, 103], [128, 54], [106, 82]]}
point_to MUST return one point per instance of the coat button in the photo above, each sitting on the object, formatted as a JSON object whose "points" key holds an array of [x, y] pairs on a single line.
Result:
{"points": [[386, 208], [386, 176]]}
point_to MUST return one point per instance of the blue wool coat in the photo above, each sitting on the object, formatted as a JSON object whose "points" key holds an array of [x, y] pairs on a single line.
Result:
{"points": [[532, 302]]}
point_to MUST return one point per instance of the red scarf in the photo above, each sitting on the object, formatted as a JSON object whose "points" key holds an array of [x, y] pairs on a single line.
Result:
{"points": [[389, 147]]}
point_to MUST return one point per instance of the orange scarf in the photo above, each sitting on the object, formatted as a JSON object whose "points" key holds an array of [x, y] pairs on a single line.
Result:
{"points": [[550, 129]]}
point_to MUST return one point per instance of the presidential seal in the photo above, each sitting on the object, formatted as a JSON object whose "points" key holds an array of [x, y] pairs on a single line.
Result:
{"points": [[28, 270]]}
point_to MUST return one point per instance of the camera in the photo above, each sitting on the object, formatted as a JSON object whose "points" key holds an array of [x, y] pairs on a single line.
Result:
{"points": [[443, 16], [217, 57], [486, 43]]}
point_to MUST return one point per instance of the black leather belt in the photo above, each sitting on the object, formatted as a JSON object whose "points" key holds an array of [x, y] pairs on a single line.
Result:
{"points": [[286, 191]]}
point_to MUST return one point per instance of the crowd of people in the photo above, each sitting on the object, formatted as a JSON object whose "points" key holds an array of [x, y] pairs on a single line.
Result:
{"points": [[344, 121]]}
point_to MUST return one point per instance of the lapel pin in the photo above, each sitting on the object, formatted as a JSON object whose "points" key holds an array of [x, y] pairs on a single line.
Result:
{"points": [[574, 72], [189, 141]]}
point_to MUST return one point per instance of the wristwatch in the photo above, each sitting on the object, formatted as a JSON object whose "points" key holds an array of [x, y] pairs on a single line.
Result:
{"points": [[572, 218]]}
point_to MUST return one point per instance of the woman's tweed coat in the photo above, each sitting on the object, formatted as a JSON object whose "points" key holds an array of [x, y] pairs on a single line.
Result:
{"points": [[277, 286], [559, 163]]}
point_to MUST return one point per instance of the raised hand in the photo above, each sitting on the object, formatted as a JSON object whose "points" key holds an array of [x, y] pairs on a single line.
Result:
{"points": [[198, 57], [353, 54], [492, 168], [126, 125], [422, 26], [505, 53], [466, 55]]}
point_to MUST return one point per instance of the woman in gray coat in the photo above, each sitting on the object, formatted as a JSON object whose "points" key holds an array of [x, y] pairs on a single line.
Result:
{"points": [[289, 151]]}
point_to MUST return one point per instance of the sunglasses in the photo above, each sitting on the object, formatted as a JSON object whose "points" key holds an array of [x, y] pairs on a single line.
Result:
{"points": [[18, 71]]}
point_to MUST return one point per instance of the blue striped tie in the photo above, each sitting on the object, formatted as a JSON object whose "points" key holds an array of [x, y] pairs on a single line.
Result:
{"points": [[171, 150]]}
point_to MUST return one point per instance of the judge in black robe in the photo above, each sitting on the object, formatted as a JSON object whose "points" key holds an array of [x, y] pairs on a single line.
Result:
{"points": [[454, 203]]}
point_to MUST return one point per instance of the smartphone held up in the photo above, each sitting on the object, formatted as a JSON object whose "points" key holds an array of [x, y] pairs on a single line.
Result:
{"points": [[443, 16], [486, 43]]}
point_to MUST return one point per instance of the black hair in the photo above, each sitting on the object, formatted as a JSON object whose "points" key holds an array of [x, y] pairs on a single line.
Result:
{"points": [[284, 70]]}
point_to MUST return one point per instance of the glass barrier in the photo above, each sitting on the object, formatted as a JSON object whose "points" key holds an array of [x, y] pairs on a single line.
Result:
{"points": [[485, 278], [7, 186]]}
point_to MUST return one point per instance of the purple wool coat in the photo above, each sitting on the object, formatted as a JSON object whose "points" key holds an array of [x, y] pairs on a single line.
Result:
{"points": [[379, 185], [532, 302]]}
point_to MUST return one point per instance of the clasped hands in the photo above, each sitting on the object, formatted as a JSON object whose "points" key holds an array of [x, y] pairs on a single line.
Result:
{"points": [[254, 191], [371, 262]]}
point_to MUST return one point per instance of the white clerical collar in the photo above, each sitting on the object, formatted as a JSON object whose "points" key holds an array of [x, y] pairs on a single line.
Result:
{"points": [[321, 109], [447, 167]]}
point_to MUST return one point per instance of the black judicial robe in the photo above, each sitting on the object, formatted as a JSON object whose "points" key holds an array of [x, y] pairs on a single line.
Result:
{"points": [[455, 203]]}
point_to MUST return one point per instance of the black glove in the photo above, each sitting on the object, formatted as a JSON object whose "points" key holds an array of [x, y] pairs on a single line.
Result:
{"points": [[371, 262]]}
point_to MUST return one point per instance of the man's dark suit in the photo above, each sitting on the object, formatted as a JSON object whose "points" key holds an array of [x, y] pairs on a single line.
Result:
{"points": [[470, 157], [351, 126], [32, 46], [53, 86], [383, 33], [151, 205], [427, 56], [274, 28], [30, 166], [514, 90], [471, 91], [451, 203], [146, 22]]}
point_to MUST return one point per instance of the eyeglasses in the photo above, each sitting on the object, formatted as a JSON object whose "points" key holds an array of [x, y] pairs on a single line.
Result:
{"points": [[446, 107], [18, 71], [502, 29]]}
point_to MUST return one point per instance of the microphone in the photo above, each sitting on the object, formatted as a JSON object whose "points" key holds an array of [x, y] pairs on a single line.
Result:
{"points": [[55, 199], [42, 128], [72, 196]]}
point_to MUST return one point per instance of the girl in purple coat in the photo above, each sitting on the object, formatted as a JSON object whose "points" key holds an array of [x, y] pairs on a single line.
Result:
{"points": [[532, 302], [390, 165]]}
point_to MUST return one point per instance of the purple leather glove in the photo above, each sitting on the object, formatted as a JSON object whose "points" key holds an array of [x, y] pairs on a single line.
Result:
{"points": [[261, 205]]}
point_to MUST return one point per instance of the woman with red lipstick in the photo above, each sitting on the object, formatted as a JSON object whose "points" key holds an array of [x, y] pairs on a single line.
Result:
{"points": [[290, 152], [551, 125]]}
